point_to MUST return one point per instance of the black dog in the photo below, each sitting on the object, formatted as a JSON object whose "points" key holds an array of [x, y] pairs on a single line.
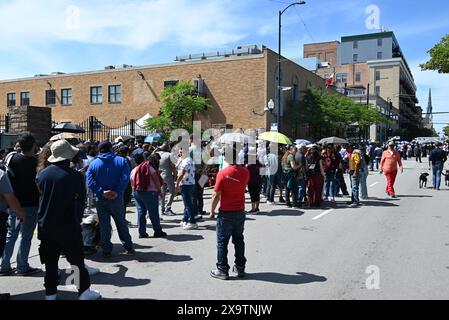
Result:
{"points": [[446, 178], [423, 180]]}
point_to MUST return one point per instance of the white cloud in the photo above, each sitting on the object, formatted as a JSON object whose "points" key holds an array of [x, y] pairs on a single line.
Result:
{"points": [[135, 23]]}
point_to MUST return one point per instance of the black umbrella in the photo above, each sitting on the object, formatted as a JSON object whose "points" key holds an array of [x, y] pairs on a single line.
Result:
{"points": [[68, 127]]}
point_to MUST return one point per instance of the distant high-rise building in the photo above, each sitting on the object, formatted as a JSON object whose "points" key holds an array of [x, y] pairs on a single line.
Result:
{"points": [[370, 63]]}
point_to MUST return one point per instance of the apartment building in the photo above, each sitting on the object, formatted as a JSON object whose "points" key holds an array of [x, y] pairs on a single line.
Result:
{"points": [[371, 64]]}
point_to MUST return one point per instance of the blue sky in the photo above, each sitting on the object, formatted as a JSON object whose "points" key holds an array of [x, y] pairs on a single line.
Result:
{"points": [[43, 36]]}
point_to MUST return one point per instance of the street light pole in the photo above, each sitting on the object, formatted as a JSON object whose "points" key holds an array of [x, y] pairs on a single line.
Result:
{"points": [[278, 116]]}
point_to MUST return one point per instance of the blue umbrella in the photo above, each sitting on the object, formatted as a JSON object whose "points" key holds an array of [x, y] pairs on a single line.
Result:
{"points": [[153, 137]]}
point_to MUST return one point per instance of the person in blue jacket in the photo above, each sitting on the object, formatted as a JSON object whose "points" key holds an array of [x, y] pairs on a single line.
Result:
{"points": [[107, 177]]}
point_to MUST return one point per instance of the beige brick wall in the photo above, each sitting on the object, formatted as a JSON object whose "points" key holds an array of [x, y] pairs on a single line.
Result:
{"points": [[234, 86]]}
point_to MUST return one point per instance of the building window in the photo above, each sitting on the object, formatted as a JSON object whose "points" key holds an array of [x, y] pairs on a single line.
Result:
{"points": [[115, 94], [379, 42], [170, 83], [66, 96], [358, 77], [377, 90], [24, 98], [342, 77], [11, 99], [377, 75], [355, 57], [355, 45], [96, 95], [50, 97], [379, 56]]}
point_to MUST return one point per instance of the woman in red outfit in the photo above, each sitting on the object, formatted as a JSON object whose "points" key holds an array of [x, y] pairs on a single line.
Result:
{"points": [[315, 177], [391, 160]]}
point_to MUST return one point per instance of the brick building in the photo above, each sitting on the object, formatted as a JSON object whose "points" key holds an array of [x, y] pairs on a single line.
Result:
{"points": [[239, 84], [371, 62]]}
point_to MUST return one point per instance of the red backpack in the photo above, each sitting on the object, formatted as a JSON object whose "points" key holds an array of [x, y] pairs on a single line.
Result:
{"points": [[142, 179]]}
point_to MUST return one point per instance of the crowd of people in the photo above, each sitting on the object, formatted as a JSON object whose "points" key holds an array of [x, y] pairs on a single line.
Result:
{"points": [[57, 187]]}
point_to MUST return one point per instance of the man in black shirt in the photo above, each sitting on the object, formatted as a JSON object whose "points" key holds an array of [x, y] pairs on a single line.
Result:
{"points": [[22, 174], [61, 207], [437, 158]]}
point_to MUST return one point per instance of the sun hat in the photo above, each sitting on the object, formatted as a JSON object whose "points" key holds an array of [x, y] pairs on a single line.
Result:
{"points": [[62, 150]]}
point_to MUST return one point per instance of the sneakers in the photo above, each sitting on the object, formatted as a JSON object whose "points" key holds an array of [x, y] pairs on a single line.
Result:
{"points": [[281, 200], [270, 203], [198, 217], [8, 272], [354, 205], [218, 274], [240, 271], [169, 212], [182, 224], [160, 234], [51, 297], [190, 226], [29, 272], [92, 271], [289, 205], [90, 295], [144, 236]]}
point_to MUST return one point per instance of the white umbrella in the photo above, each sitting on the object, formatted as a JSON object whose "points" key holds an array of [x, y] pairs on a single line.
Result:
{"points": [[237, 137]]}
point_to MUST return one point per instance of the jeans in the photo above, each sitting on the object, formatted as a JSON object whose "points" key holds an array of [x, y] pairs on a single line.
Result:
{"points": [[437, 169], [301, 190], [147, 201], [340, 183], [377, 163], [26, 231], [363, 186], [50, 251], [273, 183], [3, 230], [355, 183], [290, 185], [107, 209], [230, 224], [329, 186], [187, 193]]}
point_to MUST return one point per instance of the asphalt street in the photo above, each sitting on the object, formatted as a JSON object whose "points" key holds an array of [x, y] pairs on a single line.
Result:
{"points": [[386, 249]]}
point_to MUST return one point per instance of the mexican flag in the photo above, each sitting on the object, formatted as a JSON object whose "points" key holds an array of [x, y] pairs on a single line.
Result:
{"points": [[330, 81]]}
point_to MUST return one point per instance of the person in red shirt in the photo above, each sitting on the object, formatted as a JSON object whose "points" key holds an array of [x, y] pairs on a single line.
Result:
{"points": [[230, 193]]}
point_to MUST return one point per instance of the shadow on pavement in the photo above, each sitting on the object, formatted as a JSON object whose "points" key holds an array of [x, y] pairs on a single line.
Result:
{"points": [[299, 278], [413, 196], [184, 237], [277, 213], [40, 295], [118, 279]]}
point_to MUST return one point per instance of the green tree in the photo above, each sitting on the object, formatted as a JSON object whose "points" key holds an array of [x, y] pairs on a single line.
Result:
{"points": [[446, 130], [179, 104], [331, 112], [439, 57]]}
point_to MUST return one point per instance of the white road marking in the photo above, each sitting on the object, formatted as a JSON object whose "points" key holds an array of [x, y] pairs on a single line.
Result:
{"points": [[373, 184], [323, 214]]}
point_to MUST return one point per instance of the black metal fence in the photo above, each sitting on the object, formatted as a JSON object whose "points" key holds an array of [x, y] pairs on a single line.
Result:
{"points": [[98, 131]]}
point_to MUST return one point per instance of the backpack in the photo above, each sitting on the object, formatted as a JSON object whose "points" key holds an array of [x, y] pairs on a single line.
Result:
{"points": [[6, 165], [142, 179], [312, 168]]}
